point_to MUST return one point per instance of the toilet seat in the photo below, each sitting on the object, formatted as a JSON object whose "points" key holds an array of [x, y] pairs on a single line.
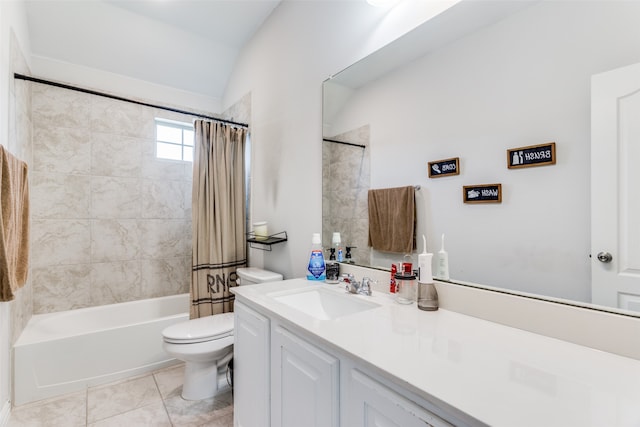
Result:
{"points": [[207, 328]]}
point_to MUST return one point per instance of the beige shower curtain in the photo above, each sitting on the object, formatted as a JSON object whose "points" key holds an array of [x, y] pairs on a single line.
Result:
{"points": [[218, 214]]}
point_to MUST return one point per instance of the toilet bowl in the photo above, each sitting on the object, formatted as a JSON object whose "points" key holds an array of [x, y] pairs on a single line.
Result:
{"points": [[206, 344]]}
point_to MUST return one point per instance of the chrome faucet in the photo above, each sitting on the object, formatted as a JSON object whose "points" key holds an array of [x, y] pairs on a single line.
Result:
{"points": [[354, 287], [365, 286]]}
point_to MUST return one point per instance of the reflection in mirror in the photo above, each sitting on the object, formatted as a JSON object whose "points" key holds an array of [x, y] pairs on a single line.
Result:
{"points": [[345, 183], [522, 79]]}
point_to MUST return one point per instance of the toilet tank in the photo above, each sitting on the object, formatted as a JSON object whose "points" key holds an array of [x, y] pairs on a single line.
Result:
{"points": [[251, 275]]}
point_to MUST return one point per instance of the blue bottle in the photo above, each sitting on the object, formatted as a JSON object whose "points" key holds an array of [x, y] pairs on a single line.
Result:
{"points": [[316, 269]]}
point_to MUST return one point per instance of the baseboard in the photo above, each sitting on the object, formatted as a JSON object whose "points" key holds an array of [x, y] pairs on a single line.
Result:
{"points": [[5, 413]]}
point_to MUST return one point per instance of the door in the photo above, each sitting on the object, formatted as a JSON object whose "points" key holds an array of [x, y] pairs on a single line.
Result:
{"points": [[305, 383], [615, 184], [251, 368], [371, 404]]}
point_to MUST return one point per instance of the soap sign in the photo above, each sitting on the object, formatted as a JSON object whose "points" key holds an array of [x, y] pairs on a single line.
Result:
{"points": [[486, 193], [533, 155], [444, 167]]}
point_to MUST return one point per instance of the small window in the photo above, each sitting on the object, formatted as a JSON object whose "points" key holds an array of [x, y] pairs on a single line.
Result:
{"points": [[174, 140]]}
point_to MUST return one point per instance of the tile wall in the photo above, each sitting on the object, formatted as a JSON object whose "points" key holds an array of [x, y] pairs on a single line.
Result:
{"points": [[345, 186], [110, 222]]}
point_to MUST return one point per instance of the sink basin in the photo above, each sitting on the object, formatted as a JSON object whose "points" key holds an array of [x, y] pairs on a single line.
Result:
{"points": [[324, 304]]}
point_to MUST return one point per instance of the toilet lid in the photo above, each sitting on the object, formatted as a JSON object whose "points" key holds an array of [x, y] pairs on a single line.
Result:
{"points": [[198, 330]]}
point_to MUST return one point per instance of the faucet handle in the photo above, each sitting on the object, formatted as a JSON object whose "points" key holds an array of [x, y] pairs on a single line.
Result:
{"points": [[347, 278], [351, 284], [365, 286]]}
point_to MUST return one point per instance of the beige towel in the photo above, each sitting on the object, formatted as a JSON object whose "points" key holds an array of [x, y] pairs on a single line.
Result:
{"points": [[14, 224], [392, 219]]}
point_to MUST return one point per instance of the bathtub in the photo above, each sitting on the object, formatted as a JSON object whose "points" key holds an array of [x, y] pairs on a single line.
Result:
{"points": [[63, 352]]}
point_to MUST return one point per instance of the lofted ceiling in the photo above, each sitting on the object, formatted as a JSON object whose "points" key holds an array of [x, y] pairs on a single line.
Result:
{"points": [[190, 45]]}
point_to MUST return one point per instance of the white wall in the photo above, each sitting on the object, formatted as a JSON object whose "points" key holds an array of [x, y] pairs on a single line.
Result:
{"points": [[124, 86], [283, 66], [523, 81]]}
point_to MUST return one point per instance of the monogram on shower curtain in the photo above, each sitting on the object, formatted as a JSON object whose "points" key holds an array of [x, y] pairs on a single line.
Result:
{"points": [[218, 216]]}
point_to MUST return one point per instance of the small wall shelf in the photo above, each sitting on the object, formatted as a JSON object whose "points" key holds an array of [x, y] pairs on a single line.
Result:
{"points": [[264, 243]]}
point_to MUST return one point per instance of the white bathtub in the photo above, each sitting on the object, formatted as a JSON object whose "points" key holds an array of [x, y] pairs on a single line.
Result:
{"points": [[69, 351]]}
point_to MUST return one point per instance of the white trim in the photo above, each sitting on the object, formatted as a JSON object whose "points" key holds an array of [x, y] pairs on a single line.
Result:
{"points": [[5, 413], [6, 375]]}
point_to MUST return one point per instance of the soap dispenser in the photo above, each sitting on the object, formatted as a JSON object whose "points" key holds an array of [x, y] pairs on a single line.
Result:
{"points": [[333, 268], [347, 256]]}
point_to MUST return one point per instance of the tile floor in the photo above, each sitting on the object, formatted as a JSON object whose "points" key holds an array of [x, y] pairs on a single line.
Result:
{"points": [[149, 400]]}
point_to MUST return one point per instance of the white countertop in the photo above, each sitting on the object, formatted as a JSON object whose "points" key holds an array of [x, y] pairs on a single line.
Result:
{"points": [[498, 375]]}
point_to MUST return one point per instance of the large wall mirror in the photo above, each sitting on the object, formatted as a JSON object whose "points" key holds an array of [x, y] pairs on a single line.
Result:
{"points": [[481, 78]]}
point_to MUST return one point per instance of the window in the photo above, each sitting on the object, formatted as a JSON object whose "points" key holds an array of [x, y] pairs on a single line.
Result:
{"points": [[174, 140]]}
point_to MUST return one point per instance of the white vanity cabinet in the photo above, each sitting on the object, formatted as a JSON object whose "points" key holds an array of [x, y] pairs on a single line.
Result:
{"points": [[284, 378], [251, 359], [369, 403], [305, 382]]}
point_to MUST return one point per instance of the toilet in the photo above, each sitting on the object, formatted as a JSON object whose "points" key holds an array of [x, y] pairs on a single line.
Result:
{"points": [[206, 344]]}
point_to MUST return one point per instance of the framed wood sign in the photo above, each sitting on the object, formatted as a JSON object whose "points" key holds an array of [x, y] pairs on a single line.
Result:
{"points": [[445, 167], [533, 155], [484, 193]]}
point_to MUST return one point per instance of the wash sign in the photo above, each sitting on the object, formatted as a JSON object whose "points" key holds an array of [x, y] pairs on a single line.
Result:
{"points": [[533, 155], [485, 193]]}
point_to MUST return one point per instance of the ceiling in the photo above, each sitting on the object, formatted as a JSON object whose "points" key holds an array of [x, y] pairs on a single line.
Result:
{"points": [[190, 45]]}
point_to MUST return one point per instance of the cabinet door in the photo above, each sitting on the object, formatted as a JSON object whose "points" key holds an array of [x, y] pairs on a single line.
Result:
{"points": [[251, 368], [304, 383], [372, 404]]}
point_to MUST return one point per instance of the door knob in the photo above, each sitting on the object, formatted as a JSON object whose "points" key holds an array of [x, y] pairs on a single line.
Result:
{"points": [[605, 257]]}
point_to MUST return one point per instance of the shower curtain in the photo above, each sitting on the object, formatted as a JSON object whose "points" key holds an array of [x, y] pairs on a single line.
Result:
{"points": [[218, 214]]}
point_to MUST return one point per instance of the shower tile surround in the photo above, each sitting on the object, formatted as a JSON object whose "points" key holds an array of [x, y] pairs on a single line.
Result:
{"points": [[345, 186], [110, 222]]}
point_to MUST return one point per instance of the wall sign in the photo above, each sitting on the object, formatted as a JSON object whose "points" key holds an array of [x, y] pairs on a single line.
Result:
{"points": [[485, 193], [533, 155], [445, 167]]}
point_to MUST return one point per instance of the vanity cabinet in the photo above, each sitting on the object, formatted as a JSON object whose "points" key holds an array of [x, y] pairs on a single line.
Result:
{"points": [[284, 378], [304, 382], [251, 379], [369, 403]]}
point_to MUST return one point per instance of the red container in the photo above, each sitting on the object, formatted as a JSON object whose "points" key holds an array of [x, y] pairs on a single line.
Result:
{"points": [[392, 283]]}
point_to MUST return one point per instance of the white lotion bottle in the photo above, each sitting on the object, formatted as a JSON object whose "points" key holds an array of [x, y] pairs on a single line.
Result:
{"points": [[427, 295], [442, 271], [425, 274]]}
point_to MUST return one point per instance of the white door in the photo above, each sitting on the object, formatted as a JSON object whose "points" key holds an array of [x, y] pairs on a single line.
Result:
{"points": [[304, 383], [615, 188], [371, 404], [251, 368]]}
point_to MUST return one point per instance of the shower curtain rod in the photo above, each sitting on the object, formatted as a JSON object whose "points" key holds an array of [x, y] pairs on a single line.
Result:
{"points": [[118, 98], [345, 143]]}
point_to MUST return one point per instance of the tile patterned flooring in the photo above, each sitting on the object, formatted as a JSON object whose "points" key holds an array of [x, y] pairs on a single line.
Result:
{"points": [[149, 400]]}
